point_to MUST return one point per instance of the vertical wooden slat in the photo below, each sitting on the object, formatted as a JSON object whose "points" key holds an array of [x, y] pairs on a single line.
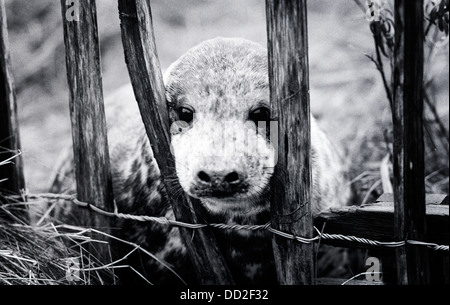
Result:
{"points": [[90, 143], [289, 95], [145, 73], [409, 198], [9, 126]]}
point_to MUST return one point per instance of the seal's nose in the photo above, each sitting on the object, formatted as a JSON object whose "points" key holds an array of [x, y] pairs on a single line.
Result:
{"points": [[232, 178], [219, 179], [203, 177]]}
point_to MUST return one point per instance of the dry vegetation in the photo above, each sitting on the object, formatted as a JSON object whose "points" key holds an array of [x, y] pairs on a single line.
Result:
{"points": [[347, 95]]}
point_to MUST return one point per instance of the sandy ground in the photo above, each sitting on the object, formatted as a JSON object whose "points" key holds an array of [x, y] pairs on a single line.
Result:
{"points": [[346, 90]]}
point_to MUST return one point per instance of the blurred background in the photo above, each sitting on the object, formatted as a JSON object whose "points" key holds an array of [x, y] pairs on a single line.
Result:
{"points": [[347, 92]]}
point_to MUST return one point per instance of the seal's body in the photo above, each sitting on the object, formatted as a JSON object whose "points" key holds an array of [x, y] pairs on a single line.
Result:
{"points": [[218, 95]]}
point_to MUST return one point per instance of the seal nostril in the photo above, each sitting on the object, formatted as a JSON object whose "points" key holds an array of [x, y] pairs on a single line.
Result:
{"points": [[232, 177], [203, 176]]}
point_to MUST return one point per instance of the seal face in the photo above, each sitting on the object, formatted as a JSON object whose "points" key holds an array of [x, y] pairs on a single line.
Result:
{"points": [[218, 98], [219, 90]]}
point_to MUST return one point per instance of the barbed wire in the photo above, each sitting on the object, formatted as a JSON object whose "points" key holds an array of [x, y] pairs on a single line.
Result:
{"points": [[165, 221]]}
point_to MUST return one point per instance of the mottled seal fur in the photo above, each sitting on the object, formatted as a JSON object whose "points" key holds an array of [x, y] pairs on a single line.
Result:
{"points": [[216, 92]]}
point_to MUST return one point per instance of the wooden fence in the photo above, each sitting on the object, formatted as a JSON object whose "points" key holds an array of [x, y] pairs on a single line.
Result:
{"points": [[408, 214]]}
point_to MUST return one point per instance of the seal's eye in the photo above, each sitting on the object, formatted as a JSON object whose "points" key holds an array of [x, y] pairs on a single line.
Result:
{"points": [[261, 114], [185, 114]]}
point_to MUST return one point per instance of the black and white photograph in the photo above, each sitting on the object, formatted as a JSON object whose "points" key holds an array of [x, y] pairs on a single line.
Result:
{"points": [[224, 147]]}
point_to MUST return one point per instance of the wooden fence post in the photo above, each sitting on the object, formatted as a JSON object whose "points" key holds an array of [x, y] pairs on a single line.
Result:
{"points": [[289, 96], [409, 193], [145, 73], [90, 145], [9, 126], [12, 179]]}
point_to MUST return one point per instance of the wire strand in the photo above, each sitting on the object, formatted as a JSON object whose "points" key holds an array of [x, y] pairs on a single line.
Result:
{"points": [[224, 226]]}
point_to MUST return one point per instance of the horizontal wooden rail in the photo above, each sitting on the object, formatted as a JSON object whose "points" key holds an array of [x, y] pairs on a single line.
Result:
{"points": [[376, 221]]}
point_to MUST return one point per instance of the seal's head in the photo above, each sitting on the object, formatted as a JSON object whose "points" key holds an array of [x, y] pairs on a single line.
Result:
{"points": [[218, 95]]}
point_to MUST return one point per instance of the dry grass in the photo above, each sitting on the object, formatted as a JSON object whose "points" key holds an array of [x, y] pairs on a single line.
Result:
{"points": [[41, 255], [37, 248], [54, 253]]}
